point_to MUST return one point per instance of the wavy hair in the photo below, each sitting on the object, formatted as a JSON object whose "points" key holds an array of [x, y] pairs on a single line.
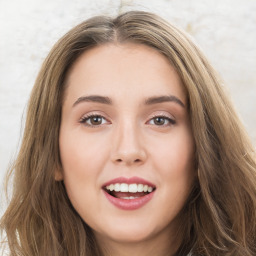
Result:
{"points": [[219, 217]]}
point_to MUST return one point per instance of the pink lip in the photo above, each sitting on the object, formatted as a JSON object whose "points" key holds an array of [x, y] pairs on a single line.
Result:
{"points": [[131, 180], [129, 204]]}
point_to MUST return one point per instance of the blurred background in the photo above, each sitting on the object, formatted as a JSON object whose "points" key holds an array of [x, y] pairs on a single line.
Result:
{"points": [[225, 30]]}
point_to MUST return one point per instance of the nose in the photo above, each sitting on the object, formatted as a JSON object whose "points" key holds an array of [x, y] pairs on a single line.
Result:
{"points": [[128, 148]]}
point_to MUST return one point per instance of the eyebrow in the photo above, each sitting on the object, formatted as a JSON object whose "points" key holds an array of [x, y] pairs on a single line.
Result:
{"points": [[93, 98], [161, 99], [148, 101]]}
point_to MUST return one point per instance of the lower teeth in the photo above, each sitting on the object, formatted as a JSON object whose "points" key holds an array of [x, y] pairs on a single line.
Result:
{"points": [[128, 197]]}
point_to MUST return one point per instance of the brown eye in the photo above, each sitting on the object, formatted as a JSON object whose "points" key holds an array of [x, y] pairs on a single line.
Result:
{"points": [[93, 120], [162, 121], [159, 120]]}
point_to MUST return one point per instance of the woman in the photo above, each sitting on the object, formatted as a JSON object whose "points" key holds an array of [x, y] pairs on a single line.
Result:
{"points": [[131, 147]]}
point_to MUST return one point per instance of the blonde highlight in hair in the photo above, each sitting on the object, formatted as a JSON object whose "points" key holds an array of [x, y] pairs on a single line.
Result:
{"points": [[220, 215]]}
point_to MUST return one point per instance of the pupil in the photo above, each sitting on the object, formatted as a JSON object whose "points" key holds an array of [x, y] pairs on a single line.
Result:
{"points": [[96, 120], [159, 120]]}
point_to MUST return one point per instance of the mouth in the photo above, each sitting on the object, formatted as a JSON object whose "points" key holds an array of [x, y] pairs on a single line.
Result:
{"points": [[128, 191], [129, 194]]}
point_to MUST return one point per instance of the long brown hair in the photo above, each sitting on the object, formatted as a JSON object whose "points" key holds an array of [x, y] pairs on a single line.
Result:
{"points": [[220, 215]]}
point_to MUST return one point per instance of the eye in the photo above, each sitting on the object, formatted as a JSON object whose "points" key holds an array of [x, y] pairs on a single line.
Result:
{"points": [[162, 121], [93, 120]]}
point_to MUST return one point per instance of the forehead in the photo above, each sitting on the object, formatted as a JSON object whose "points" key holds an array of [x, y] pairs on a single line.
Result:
{"points": [[125, 69]]}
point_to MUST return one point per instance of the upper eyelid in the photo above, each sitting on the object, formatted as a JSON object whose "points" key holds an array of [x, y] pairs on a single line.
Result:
{"points": [[95, 113], [162, 114]]}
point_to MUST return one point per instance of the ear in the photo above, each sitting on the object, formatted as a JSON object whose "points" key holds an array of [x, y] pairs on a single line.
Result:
{"points": [[58, 175]]}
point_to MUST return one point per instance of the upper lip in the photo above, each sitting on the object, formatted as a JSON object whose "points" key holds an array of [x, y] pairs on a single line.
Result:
{"points": [[132, 180]]}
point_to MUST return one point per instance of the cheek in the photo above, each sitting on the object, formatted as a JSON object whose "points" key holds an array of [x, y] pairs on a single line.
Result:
{"points": [[79, 153], [82, 160], [176, 151], [175, 162], [79, 164]]}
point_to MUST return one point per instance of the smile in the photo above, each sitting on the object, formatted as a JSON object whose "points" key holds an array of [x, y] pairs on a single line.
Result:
{"points": [[129, 194], [128, 191]]}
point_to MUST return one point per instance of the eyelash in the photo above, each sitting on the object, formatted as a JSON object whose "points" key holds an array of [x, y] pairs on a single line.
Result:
{"points": [[170, 120], [86, 118]]}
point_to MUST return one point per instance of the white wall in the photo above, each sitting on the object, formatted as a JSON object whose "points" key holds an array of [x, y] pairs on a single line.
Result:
{"points": [[225, 30]]}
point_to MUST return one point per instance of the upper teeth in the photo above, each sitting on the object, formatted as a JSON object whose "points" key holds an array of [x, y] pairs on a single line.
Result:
{"points": [[133, 188]]}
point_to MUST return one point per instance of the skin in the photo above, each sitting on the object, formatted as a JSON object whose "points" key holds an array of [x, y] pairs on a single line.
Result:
{"points": [[127, 140]]}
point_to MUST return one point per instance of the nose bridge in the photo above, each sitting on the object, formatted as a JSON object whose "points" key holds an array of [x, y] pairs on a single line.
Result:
{"points": [[127, 144]]}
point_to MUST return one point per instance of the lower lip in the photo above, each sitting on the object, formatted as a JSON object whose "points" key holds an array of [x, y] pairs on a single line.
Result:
{"points": [[129, 204]]}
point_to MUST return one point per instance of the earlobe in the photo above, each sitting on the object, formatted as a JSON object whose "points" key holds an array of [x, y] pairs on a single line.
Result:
{"points": [[58, 176]]}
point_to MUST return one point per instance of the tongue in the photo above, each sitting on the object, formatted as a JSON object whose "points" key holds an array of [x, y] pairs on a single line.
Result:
{"points": [[127, 194]]}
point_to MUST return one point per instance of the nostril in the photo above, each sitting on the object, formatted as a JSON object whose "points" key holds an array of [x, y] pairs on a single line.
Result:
{"points": [[135, 161]]}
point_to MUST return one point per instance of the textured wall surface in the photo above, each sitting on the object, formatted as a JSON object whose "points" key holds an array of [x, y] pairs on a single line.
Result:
{"points": [[224, 29]]}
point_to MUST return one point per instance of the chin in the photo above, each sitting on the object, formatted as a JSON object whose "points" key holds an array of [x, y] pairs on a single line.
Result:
{"points": [[128, 233]]}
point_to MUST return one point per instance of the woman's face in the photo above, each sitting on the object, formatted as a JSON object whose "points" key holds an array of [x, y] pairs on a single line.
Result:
{"points": [[126, 144]]}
